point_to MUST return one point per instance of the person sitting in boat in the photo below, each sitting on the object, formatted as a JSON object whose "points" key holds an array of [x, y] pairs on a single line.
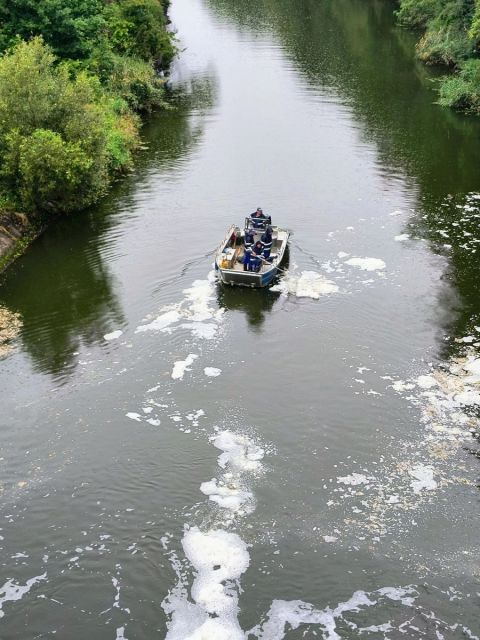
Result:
{"points": [[259, 219], [257, 258], [249, 242], [267, 242]]}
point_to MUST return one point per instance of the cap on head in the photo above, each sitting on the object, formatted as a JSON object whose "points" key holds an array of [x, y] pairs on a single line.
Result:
{"points": [[259, 209]]}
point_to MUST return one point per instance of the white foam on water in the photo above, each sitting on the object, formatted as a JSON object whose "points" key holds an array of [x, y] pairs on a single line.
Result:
{"points": [[113, 335], [402, 237], [405, 596], [468, 397], [367, 264], [472, 365], [401, 385], [240, 453], [163, 321], [309, 284], [354, 479], [426, 382], [228, 496], [285, 615], [11, 592], [134, 416], [218, 557], [240, 458], [423, 475], [212, 372], [192, 313], [203, 330], [181, 366]]}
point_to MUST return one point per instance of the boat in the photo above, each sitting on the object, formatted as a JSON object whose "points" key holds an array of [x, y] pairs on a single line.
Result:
{"points": [[230, 254]]}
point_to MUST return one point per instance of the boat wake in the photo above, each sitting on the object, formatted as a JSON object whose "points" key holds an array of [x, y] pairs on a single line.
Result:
{"points": [[309, 284]]}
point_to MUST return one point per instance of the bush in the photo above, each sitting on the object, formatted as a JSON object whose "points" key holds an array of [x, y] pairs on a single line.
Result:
{"points": [[60, 137], [451, 37], [49, 171], [137, 28], [446, 24], [129, 78], [417, 13], [462, 90], [69, 94], [446, 45], [70, 27]]}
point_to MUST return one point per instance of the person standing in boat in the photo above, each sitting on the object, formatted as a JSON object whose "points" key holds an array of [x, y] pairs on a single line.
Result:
{"points": [[267, 242], [249, 242], [259, 219], [257, 259]]}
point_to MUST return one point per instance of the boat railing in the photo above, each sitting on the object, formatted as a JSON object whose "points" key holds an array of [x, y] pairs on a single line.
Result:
{"points": [[261, 222]]}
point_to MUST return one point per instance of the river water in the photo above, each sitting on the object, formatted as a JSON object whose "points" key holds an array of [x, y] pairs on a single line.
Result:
{"points": [[179, 460]]}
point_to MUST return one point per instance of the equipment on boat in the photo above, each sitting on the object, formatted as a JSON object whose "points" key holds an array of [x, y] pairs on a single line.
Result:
{"points": [[229, 258]]}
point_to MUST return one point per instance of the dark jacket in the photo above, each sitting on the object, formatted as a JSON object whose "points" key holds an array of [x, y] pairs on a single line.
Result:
{"points": [[249, 241], [259, 220], [267, 241]]}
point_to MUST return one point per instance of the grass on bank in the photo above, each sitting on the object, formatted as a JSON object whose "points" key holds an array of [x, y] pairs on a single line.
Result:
{"points": [[451, 37]]}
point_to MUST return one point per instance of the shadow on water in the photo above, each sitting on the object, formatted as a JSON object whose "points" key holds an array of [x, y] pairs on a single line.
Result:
{"points": [[63, 287], [256, 304], [354, 49]]}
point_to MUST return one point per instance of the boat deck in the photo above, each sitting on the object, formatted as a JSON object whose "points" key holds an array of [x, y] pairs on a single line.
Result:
{"points": [[238, 262], [230, 255]]}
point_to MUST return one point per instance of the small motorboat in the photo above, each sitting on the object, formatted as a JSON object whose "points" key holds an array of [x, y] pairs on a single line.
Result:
{"points": [[230, 254]]}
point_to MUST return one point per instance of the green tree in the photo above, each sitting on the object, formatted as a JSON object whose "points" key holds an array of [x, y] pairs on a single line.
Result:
{"points": [[59, 136], [138, 28], [70, 27]]}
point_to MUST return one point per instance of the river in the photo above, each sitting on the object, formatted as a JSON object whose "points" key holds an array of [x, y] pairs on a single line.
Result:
{"points": [[180, 460]]}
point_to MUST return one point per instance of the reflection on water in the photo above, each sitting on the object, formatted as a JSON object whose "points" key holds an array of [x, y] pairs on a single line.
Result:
{"points": [[256, 304], [81, 306], [338, 46], [62, 287]]}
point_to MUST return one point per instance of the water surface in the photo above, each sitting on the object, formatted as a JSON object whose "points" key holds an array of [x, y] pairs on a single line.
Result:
{"points": [[350, 478]]}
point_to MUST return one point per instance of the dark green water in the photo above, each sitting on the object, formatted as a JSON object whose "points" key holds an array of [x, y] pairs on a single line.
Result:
{"points": [[348, 469]]}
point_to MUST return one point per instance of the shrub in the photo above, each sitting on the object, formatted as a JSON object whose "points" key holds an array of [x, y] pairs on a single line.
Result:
{"points": [[447, 46], [60, 137], [446, 24], [417, 13], [70, 27], [49, 171], [137, 28], [132, 79], [462, 90]]}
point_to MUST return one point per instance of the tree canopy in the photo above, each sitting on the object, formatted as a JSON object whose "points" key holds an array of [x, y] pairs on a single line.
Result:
{"points": [[72, 75]]}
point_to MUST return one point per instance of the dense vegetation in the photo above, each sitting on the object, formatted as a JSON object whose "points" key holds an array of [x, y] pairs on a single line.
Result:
{"points": [[451, 36], [73, 76]]}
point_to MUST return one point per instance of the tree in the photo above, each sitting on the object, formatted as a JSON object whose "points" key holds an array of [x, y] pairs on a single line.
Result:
{"points": [[59, 136], [70, 27]]}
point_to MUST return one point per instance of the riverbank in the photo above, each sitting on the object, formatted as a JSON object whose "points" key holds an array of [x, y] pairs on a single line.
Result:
{"points": [[16, 233], [450, 37], [75, 84]]}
